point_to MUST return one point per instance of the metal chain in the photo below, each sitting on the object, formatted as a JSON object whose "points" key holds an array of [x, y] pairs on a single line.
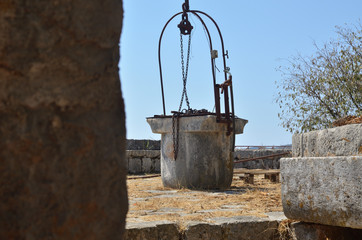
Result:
{"points": [[176, 115], [175, 133], [176, 126], [185, 71]]}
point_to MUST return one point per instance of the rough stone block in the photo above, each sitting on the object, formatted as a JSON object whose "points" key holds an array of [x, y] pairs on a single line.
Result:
{"points": [[141, 231], [247, 228], [168, 231], [134, 165], [62, 173], [157, 164], [147, 165], [202, 231], [338, 141], [143, 153], [310, 231], [156, 230], [325, 190]]}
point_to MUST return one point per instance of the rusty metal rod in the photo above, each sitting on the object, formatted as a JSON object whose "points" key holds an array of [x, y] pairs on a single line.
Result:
{"points": [[263, 157], [256, 171], [159, 61], [225, 74], [143, 177], [263, 147]]}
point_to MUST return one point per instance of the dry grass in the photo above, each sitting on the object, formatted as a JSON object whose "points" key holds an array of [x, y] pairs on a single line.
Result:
{"points": [[249, 199], [284, 230]]}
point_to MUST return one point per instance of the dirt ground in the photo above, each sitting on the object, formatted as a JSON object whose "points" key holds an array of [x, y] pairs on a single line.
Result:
{"points": [[150, 201]]}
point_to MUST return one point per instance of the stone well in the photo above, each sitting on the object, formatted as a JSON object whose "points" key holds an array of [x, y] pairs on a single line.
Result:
{"points": [[204, 157]]}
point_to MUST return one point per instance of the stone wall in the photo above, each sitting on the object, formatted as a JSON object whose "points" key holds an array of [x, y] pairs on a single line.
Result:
{"points": [[62, 145], [143, 161], [143, 144], [148, 161], [268, 163]]}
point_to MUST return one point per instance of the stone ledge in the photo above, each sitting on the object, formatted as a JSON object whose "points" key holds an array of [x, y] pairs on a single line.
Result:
{"points": [[247, 228], [157, 230], [325, 190], [310, 231], [338, 141], [241, 228]]}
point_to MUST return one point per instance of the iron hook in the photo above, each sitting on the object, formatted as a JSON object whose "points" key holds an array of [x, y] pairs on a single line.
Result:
{"points": [[186, 6]]}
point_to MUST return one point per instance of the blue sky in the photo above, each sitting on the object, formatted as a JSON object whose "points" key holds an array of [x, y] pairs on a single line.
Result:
{"points": [[259, 35]]}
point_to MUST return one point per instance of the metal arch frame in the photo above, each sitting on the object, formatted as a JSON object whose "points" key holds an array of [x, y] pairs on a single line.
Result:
{"points": [[216, 86]]}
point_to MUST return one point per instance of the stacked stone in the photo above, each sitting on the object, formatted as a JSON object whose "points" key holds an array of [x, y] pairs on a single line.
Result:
{"points": [[143, 161], [322, 182]]}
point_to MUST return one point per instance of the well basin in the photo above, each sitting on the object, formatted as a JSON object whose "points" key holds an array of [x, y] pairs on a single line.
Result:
{"points": [[204, 157]]}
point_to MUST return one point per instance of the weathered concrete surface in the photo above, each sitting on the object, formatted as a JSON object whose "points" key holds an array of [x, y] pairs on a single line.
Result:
{"points": [[62, 145], [325, 190], [310, 231], [204, 158], [339, 141]]}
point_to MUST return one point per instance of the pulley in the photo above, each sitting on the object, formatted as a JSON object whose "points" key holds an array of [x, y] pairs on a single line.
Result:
{"points": [[185, 25]]}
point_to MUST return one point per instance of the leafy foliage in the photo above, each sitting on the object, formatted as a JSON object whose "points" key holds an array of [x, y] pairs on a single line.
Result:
{"points": [[317, 90]]}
